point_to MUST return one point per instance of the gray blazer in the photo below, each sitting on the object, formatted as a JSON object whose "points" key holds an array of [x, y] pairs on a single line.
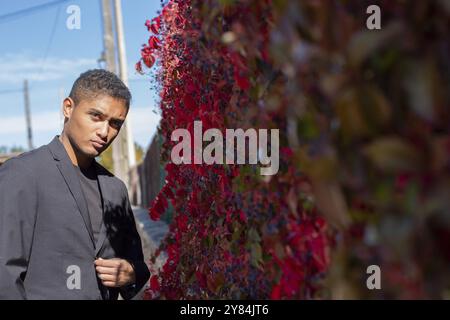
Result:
{"points": [[46, 238]]}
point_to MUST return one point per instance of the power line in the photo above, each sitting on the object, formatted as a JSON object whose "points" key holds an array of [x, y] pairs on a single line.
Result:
{"points": [[47, 50], [21, 13]]}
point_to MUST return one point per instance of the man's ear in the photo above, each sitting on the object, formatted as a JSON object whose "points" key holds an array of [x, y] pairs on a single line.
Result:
{"points": [[68, 106]]}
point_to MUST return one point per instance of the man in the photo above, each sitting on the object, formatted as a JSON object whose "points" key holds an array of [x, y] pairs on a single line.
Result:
{"points": [[67, 230]]}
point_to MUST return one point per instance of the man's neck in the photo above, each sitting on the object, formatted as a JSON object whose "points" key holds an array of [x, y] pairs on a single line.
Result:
{"points": [[77, 159]]}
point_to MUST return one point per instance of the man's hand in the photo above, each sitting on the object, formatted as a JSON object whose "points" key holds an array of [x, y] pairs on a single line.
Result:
{"points": [[115, 272]]}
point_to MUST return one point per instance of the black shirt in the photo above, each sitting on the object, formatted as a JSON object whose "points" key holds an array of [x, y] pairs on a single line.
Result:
{"points": [[92, 194]]}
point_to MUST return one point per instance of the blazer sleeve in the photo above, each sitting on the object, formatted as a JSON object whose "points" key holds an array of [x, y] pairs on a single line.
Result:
{"points": [[134, 255], [18, 207]]}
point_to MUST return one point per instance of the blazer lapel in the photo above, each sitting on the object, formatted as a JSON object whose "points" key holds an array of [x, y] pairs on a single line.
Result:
{"points": [[67, 170], [104, 195]]}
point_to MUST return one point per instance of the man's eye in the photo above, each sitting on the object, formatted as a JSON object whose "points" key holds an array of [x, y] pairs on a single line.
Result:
{"points": [[116, 124], [95, 115]]}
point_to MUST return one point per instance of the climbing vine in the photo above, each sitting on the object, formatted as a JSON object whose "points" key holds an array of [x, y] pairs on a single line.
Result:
{"points": [[364, 149]]}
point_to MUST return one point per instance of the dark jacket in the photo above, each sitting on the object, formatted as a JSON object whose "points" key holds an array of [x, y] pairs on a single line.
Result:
{"points": [[46, 234]]}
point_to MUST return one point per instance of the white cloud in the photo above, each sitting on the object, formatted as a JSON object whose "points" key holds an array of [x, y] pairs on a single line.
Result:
{"points": [[41, 122], [17, 67]]}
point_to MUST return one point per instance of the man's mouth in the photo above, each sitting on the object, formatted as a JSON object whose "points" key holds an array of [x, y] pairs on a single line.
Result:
{"points": [[98, 144]]}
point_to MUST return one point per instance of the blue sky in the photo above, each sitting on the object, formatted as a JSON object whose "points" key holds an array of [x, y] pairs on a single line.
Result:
{"points": [[23, 47]]}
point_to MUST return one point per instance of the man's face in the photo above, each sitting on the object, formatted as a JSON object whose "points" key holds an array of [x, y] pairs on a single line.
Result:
{"points": [[93, 124]]}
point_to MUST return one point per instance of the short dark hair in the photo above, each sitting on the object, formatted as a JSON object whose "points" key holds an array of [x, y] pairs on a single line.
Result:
{"points": [[95, 82]]}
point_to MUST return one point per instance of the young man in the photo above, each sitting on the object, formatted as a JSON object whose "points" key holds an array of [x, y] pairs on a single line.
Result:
{"points": [[67, 230]]}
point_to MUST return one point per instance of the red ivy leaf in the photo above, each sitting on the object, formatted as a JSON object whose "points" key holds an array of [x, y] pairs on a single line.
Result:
{"points": [[154, 43], [159, 205], [149, 60], [241, 79], [148, 24], [138, 67], [276, 292], [154, 283]]}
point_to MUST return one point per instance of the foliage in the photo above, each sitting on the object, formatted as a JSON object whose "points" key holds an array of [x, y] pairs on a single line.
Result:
{"points": [[365, 148]]}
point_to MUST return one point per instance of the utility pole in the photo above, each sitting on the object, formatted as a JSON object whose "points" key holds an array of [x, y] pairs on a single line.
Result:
{"points": [[123, 73], [108, 38], [119, 149], [28, 115]]}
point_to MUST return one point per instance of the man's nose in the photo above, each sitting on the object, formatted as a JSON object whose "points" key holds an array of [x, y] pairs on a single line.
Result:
{"points": [[103, 130]]}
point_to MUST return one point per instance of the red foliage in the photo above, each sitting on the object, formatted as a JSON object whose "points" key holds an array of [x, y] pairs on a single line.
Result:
{"points": [[221, 243], [364, 136]]}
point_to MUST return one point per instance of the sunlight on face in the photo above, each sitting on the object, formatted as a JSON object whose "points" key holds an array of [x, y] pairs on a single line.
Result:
{"points": [[93, 124]]}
